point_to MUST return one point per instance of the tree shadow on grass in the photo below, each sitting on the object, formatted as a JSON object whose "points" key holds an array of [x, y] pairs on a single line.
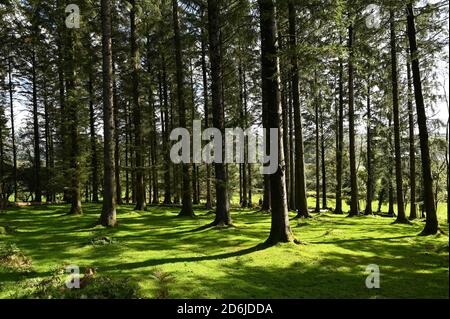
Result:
{"points": [[332, 241], [158, 262]]}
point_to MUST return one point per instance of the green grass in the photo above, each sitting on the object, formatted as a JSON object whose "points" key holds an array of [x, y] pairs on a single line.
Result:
{"points": [[228, 263]]}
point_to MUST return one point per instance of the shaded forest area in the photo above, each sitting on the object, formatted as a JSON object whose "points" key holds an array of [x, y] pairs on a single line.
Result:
{"points": [[352, 91]]}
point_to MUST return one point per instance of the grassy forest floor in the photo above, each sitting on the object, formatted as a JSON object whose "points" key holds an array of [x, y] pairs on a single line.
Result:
{"points": [[155, 254]]}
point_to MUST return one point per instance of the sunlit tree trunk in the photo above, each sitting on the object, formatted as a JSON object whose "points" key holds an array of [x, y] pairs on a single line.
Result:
{"points": [[280, 230], [431, 225]]}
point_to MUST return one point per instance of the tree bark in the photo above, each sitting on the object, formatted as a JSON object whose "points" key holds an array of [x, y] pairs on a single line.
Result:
{"points": [[72, 120], [412, 148], [222, 202], [354, 209], [13, 133], [340, 148], [205, 103], [186, 199], [322, 161], [136, 113], [108, 216], [301, 203], [317, 146], [280, 230], [401, 217], [431, 225], [369, 186], [93, 140], [36, 135]]}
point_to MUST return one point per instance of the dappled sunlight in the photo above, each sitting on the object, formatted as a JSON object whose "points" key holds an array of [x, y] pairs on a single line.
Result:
{"points": [[231, 262]]}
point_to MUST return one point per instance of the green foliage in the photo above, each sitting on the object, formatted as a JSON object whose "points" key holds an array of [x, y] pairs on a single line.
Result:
{"points": [[101, 287], [12, 258]]}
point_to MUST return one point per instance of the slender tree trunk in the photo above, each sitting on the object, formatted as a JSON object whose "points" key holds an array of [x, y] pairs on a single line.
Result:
{"points": [[369, 186], [285, 112], [154, 157], [186, 209], [301, 203], [195, 197], [431, 225], [166, 125], [127, 152], [354, 209], [401, 217], [117, 132], [136, 111], [36, 135], [243, 114], [48, 142], [108, 216], [280, 231], [291, 152], [72, 115], [340, 148], [390, 168], [93, 140], [317, 136], [412, 151], [323, 163], [222, 201], [206, 105], [13, 132]]}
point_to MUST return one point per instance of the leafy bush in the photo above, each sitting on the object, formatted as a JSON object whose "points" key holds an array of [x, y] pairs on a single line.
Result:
{"points": [[101, 287]]}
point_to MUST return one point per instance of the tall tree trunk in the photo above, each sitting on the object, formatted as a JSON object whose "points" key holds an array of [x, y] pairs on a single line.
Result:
{"points": [[291, 152], [431, 225], [127, 156], [48, 142], [401, 217], [280, 231], [153, 173], [317, 137], [354, 209], [36, 135], [195, 197], [165, 132], [206, 104], [13, 132], [390, 168], [61, 66], [322, 161], [285, 113], [186, 209], [108, 216], [222, 201], [301, 203], [340, 148], [136, 111], [243, 114], [72, 115], [117, 132], [93, 140], [412, 148], [369, 186]]}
